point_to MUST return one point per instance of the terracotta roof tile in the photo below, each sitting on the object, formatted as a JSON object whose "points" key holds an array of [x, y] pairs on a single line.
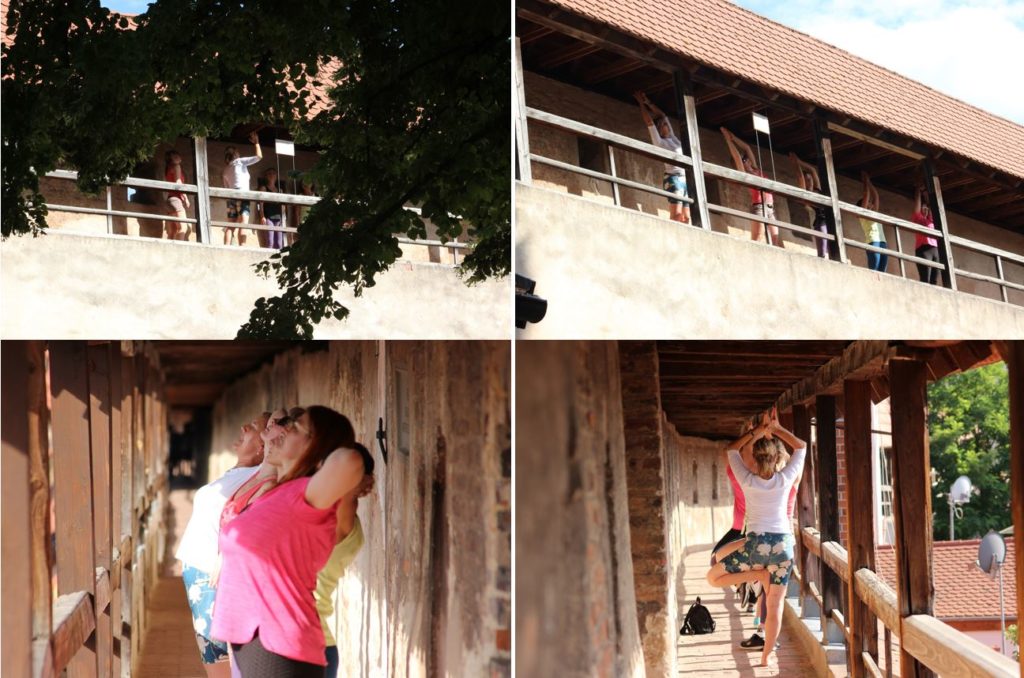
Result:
{"points": [[730, 38], [961, 589]]}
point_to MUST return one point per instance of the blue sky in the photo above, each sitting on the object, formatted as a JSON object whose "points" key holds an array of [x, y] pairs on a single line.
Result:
{"points": [[972, 50], [126, 6]]}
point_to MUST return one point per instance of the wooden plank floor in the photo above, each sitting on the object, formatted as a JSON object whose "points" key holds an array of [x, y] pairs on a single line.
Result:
{"points": [[719, 654], [169, 648]]}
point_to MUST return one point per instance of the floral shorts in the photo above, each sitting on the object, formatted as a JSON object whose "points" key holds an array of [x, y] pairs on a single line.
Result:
{"points": [[675, 183], [769, 551], [237, 208], [200, 598]]}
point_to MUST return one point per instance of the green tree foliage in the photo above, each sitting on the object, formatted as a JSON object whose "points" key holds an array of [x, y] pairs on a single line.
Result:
{"points": [[418, 113], [969, 431]]}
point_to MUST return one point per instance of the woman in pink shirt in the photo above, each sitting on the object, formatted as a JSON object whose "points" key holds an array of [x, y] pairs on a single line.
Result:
{"points": [[273, 550], [925, 246]]}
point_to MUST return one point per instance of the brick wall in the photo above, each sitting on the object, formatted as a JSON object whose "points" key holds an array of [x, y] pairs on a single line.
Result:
{"points": [[648, 518]]}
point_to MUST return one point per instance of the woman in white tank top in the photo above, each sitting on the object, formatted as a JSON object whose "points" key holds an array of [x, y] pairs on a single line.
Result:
{"points": [[767, 555]]}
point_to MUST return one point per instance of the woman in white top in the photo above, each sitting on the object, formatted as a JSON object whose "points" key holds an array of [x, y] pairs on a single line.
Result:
{"points": [[767, 555], [199, 551], [236, 176]]}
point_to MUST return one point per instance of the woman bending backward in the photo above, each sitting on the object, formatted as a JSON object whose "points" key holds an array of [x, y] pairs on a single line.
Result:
{"points": [[767, 555]]}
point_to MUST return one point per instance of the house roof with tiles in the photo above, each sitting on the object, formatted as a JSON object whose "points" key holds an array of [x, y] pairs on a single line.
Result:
{"points": [[732, 39], [962, 591]]}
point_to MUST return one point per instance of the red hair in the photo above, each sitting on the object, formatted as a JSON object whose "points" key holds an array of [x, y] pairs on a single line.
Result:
{"points": [[328, 430]]}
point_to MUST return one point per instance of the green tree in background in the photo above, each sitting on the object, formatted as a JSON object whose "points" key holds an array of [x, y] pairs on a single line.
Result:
{"points": [[969, 432], [417, 112]]}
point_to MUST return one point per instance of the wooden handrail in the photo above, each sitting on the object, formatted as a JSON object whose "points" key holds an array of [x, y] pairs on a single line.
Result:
{"points": [[871, 666], [878, 596], [812, 540], [945, 650], [73, 621]]}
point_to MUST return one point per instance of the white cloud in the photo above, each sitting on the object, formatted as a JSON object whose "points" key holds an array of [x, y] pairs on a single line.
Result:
{"points": [[971, 50]]}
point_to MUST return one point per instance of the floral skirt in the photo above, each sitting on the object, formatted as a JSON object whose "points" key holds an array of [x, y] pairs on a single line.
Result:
{"points": [[771, 551], [200, 599]]}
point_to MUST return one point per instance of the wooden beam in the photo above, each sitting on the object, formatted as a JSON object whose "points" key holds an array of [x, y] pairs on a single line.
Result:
{"points": [[934, 188], [615, 69], [912, 501], [534, 33], [828, 511], [861, 359], [571, 52], [837, 558], [683, 88], [827, 172], [523, 169], [805, 511], [16, 541], [952, 653], [881, 599], [875, 141], [859, 518], [100, 434], [73, 623], [1013, 353], [116, 498], [39, 480], [72, 482]]}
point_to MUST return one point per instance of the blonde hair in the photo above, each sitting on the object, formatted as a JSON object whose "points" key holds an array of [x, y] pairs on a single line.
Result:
{"points": [[767, 455]]}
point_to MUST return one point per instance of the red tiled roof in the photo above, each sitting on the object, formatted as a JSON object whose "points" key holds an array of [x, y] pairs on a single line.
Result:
{"points": [[961, 589], [735, 40]]}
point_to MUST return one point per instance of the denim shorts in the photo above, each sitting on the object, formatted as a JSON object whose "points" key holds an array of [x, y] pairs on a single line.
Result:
{"points": [[771, 551], [675, 183], [200, 599], [237, 208]]}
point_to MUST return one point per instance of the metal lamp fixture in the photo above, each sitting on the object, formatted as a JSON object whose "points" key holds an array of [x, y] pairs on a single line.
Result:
{"points": [[959, 493]]}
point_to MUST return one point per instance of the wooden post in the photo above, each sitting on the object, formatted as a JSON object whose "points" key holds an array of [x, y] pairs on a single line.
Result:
{"points": [[805, 513], [19, 597], [203, 196], [39, 471], [129, 634], [72, 481], [523, 172], [827, 174], [939, 215], [1015, 363], [99, 431], [116, 498], [687, 108], [828, 513], [860, 527], [912, 497]]}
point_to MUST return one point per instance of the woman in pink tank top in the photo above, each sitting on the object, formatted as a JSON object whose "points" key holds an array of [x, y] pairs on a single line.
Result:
{"points": [[272, 551]]}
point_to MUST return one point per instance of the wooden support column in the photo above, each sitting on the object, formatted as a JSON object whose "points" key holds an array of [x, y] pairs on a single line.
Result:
{"points": [[129, 634], [19, 599], [827, 174], [116, 497], [523, 171], [932, 185], [203, 196], [805, 513], [860, 528], [99, 431], [72, 482], [39, 470], [828, 513], [686, 105], [912, 500], [1014, 357]]}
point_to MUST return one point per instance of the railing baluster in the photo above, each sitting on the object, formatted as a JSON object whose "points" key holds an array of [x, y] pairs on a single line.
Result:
{"points": [[899, 249], [203, 196], [110, 208], [999, 269], [611, 170]]}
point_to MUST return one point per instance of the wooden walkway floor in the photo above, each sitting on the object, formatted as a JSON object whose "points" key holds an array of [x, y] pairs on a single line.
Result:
{"points": [[169, 648], [719, 654]]}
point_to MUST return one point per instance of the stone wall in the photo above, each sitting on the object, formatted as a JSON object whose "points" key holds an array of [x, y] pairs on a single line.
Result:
{"points": [[647, 482], [429, 594], [576, 609], [616, 116], [94, 287]]}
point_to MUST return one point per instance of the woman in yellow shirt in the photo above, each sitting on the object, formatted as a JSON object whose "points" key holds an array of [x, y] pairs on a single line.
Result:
{"points": [[874, 232], [348, 541]]}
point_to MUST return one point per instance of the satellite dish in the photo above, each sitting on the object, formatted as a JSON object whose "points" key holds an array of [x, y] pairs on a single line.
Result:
{"points": [[960, 493], [991, 552]]}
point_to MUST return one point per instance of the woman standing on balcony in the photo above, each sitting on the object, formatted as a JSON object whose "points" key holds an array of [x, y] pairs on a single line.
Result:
{"points": [[278, 631], [236, 176], [809, 181], [269, 213], [925, 247], [874, 232], [198, 551], [662, 135], [177, 202], [767, 553], [762, 203]]}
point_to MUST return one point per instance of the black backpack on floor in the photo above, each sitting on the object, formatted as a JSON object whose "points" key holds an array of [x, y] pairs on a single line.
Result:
{"points": [[698, 621]]}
